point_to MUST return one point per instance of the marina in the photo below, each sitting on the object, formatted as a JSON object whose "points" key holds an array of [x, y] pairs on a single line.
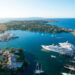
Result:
{"points": [[69, 67]]}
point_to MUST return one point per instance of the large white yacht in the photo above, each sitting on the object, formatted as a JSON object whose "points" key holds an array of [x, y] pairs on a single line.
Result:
{"points": [[67, 45], [62, 48], [51, 47]]}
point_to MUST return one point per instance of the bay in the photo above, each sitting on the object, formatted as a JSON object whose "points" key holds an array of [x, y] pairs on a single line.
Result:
{"points": [[32, 41]]}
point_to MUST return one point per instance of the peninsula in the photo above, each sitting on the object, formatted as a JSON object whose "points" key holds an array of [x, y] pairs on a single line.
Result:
{"points": [[7, 36], [34, 25]]}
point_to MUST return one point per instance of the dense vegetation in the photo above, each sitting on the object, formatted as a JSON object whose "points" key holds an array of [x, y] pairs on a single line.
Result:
{"points": [[4, 70], [35, 25]]}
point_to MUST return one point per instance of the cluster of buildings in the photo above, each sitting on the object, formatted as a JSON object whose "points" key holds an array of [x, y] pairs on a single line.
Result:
{"points": [[12, 58]]}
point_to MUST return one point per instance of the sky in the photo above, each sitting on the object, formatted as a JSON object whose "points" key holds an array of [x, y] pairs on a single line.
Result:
{"points": [[37, 8]]}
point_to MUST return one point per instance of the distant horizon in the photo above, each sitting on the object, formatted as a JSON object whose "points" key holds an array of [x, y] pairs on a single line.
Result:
{"points": [[34, 17], [37, 8]]}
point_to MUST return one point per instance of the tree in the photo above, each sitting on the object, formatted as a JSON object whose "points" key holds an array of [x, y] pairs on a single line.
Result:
{"points": [[6, 48]]}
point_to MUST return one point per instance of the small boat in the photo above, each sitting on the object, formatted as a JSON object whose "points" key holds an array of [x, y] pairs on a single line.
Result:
{"points": [[72, 61], [69, 67], [52, 56], [38, 69], [74, 58], [66, 74]]}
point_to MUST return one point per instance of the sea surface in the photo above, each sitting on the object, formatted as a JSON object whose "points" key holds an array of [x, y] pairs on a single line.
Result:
{"points": [[31, 42]]}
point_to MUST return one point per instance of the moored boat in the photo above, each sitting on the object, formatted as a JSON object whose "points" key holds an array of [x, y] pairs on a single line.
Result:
{"points": [[66, 73], [69, 67], [38, 69]]}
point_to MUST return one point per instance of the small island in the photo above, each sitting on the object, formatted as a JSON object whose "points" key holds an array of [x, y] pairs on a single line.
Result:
{"points": [[34, 25], [12, 61]]}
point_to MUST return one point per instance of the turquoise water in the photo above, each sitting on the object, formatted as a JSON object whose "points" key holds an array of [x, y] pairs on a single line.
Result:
{"points": [[66, 23], [32, 41]]}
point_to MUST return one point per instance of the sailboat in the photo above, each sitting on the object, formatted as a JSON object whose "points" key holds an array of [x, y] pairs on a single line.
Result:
{"points": [[38, 69]]}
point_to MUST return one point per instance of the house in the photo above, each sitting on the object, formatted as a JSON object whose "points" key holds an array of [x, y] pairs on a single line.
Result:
{"points": [[6, 52]]}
